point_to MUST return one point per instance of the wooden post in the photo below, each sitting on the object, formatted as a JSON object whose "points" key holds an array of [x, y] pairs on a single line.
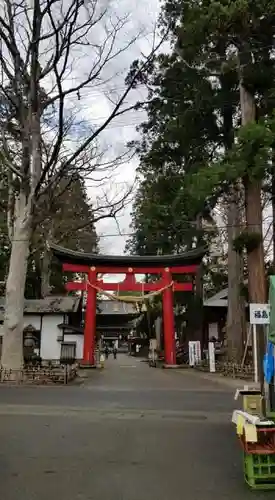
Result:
{"points": [[168, 320], [90, 321]]}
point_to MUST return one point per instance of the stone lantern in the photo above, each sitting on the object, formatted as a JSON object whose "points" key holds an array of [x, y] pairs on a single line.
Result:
{"points": [[29, 336], [29, 342]]}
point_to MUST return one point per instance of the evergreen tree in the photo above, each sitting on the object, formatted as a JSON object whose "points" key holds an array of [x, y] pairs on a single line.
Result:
{"points": [[193, 139]]}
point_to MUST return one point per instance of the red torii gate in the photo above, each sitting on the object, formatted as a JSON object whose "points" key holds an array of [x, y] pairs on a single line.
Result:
{"points": [[163, 265]]}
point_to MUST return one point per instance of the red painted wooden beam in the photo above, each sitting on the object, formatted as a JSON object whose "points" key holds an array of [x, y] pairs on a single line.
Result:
{"points": [[77, 268], [124, 287], [146, 270], [183, 287]]}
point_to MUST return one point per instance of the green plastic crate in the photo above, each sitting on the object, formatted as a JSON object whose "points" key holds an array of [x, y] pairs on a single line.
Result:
{"points": [[259, 471]]}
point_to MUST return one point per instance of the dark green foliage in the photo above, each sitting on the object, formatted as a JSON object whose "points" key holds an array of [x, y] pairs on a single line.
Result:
{"points": [[247, 241], [69, 222], [180, 124], [192, 149], [178, 140]]}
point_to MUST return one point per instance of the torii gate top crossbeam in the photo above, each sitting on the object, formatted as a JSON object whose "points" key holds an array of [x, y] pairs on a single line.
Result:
{"points": [[114, 262]]}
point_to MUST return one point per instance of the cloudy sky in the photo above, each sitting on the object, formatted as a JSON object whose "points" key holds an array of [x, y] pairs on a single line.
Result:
{"points": [[123, 33], [141, 19]]}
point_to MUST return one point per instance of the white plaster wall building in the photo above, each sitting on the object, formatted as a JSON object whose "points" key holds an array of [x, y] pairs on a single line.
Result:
{"points": [[53, 320]]}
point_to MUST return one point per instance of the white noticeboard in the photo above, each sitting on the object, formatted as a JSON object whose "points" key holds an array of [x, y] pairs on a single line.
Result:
{"points": [[259, 314], [194, 352]]}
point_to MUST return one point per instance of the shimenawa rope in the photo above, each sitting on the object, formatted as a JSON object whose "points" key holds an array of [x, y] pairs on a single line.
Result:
{"points": [[129, 298]]}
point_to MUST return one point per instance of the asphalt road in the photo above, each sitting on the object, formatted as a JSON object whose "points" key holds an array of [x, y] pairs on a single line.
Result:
{"points": [[128, 433]]}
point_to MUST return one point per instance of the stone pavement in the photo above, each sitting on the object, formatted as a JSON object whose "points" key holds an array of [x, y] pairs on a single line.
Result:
{"points": [[234, 383], [130, 432]]}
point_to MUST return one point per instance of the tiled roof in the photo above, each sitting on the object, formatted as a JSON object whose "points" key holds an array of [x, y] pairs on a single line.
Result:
{"points": [[116, 307], [49, 305]]}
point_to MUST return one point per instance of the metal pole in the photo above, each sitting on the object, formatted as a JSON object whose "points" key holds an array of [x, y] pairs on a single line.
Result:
{"points": [[255, 354]]}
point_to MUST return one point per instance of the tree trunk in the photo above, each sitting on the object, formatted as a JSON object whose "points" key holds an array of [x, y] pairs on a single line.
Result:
{"points": [[236, 307], [12, 350], [255, 258], [198, 318], [46, 274], [235, 324], [255, 264], [253, 210]]}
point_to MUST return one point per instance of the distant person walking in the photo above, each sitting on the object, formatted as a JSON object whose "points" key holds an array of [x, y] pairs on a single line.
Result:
{"points": [[115, 351], [106, 351]]}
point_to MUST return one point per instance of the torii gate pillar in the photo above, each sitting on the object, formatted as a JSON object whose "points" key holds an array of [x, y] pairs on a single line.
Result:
{"points": [[168, 320], [90, 321]]}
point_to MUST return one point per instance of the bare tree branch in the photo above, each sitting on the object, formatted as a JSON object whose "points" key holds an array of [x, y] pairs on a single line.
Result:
{"points": [[42, 46]]}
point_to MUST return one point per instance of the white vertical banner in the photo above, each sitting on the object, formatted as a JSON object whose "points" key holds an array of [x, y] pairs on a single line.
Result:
{"points": [[197, 352], [211, 352], [191, 347]]}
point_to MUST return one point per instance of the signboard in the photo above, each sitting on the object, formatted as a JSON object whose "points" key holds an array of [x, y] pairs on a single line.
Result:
{"points": [[194, 352], [259, 314]]}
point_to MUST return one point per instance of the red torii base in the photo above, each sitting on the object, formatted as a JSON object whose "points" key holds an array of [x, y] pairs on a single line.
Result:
{"points": [[71, 263]]}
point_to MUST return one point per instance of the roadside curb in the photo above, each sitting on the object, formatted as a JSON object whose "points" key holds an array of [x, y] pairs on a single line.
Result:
{"points": [[235, 383]]}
